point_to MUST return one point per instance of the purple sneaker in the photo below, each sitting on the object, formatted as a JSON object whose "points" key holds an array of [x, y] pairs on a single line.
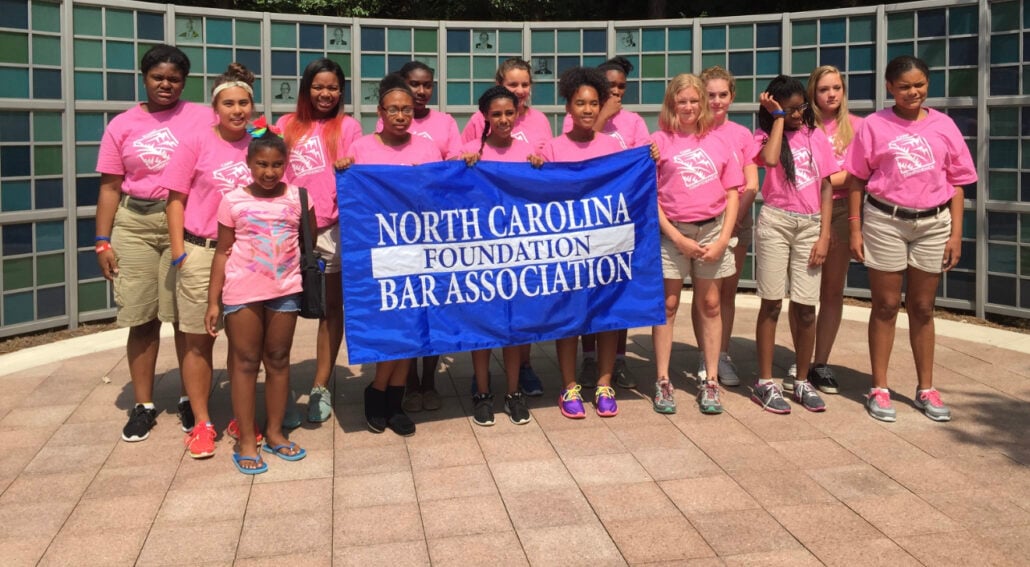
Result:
{"points": [[571, 403], [604, 401]]}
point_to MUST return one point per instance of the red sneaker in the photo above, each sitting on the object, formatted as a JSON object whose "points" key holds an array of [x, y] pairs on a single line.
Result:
{"points": [[233, 430], [201, 441]]}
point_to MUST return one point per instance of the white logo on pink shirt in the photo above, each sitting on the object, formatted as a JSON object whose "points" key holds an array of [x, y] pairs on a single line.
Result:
{"points": [[805, 171], [232, 175], [695, 167], [618, 138], [307, 157], [912, 154], [423, 134], [520, 135], [155, 148]]}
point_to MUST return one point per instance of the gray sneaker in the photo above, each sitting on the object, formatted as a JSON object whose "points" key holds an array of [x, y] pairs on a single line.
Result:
{"points": [[805, 394], [588, 373], [708, 398], [792, 374], [878, 404], [769, 396], [623, 377], [930, 402], [320, 404], [663, 397], [727, 370]]}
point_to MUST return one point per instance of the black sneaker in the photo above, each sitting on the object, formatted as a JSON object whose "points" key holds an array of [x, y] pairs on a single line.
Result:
{"points": [[141, 421], [186, 419], [822, 377], [483, 409], [515, 407]]}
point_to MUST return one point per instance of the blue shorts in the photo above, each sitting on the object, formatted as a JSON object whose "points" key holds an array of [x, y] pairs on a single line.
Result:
{"points": [[284, 304]]}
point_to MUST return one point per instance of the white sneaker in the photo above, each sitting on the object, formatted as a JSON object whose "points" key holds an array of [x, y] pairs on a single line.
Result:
{"points": [[792, 374], [727, 371]]}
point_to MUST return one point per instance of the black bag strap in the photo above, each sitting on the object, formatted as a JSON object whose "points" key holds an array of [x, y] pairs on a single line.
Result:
{"points": [[305, 229]]}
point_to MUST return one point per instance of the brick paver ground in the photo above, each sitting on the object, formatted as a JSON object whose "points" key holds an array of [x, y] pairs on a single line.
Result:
{"points": [[742, 488]]}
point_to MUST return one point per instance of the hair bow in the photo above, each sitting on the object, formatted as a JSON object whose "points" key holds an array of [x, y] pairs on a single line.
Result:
{"points": [[261, 126]]}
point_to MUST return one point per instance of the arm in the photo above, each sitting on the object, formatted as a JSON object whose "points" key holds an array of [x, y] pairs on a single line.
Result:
{"points": [[750, 192], [855, 191], [688, 247], [470, 158], [822, 245], [953, 248], [226, 238], [771, 149], [716, 250], [107, 205], [611, 107], [176, 223]]}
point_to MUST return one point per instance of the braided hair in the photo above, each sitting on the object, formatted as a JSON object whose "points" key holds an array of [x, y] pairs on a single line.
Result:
{"points": [[485, 100]]}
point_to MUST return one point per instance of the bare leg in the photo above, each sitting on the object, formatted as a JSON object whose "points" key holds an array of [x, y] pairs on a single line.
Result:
{"points": [[728, 297], [330, 331], [245, 330], [278, 340], [196, 372], [765, 335], [606, 344], [802, 319], [831, 299], [141, 349], [567, 360], [885, 288], [920, 295], [512, 362], [709, 332], [661, 335], [481, 369]]}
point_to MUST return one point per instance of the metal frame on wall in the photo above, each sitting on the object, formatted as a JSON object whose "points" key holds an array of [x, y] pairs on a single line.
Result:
{"points": [[66, 68]]}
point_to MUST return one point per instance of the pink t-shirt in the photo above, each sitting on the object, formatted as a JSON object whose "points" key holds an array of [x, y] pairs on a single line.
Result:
{"points": [[831, 135], [369, 150], [694, 175], [204, 168], [311, 165], [518, 151], [265, 258], [564, 149], [813, 161], [138, 145], [740, 139], [628, 128], [437, 127], [532, 127], [911, 164]]}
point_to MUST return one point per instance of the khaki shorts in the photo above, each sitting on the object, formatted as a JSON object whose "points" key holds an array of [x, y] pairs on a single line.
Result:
{"points": [[839, 229], [192, 281], [144, 288], [677, 266], [891, 244], [746, 234], [327, 243], [783, 244]]}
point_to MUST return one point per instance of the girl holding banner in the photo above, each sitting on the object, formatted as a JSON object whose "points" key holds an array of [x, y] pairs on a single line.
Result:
{"points": [[393, 145], [318, 135], [498, 106], [698, 179], [533, 127], [203, 168], [630, 130]]}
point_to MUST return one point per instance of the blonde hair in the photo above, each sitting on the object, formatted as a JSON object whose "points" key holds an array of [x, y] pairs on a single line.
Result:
{"points": [[845, 133], [717, 72], [668, 119]]}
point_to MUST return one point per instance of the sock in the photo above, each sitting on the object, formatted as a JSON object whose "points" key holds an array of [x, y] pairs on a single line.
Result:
{"points": [[147, 405], [766, 381], [184, 399]]}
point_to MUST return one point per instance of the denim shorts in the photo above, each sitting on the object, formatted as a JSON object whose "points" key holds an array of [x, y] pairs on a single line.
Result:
{"points": [[284, 304]]}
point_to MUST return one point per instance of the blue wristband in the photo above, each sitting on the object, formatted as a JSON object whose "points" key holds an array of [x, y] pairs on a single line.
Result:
{"points": [[179, 260], [778, 113], [103, 239]]}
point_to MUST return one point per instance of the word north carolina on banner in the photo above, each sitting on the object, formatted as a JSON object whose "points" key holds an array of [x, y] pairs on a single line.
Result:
{"points": [[443, 257]]}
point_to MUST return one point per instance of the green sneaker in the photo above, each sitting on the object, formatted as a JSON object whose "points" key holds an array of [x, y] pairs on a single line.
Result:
{"points": [[664, 402], [708, 398], [320, 404]]}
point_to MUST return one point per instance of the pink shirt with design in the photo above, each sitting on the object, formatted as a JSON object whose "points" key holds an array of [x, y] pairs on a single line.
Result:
{"points": [[204, 168], [369, 150], [518, 151], [628, 128], [694, 175], [813, 161], [311, 165], [138, 145], [830, 128], [914, 164], [265, 258], [532, 127], [437, 127], [563, 149]]}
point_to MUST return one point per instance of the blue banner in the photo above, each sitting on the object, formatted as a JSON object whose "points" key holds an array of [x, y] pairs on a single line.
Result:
{"points": [[443, 257]]}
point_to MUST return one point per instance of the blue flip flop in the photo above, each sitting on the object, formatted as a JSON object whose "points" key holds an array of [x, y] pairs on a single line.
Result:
{"points": [[276, 450], [238, 460]]}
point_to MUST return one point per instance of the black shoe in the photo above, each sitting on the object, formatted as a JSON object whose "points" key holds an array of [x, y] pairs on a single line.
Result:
{"points": [[375, 409], [186, 419], [515, 407], [483, 409], [822, 378], [397, 420], [141, 421]]}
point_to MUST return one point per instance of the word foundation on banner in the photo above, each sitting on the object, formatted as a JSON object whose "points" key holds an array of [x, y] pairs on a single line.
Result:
{"points": [[458, 256]]}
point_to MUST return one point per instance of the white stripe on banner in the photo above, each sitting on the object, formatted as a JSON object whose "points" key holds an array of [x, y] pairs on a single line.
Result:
{"points": [[435, 258]]}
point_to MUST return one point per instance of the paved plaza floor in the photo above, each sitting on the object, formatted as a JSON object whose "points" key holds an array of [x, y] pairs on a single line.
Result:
{"points": [[742, 488]]}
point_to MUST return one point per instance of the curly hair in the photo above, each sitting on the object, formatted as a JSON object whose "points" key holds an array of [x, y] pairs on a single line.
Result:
{"points": [[268, 140], [576, 77], [617, 63], [406, 69], [162, 53], [393, 82]]}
